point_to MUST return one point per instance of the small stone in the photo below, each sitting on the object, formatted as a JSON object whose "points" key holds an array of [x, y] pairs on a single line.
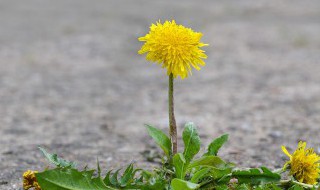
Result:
{"points": [[3, 182], [275, 134]]}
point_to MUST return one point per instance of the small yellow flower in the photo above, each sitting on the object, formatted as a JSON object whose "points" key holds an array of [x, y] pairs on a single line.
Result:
{"points": [[304, 164], [174, 46], [30, 180]]}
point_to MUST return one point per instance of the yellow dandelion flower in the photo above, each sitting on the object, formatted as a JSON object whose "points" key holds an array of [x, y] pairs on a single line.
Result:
{"points": [[304, 164], [30, 180], [174, 46]]}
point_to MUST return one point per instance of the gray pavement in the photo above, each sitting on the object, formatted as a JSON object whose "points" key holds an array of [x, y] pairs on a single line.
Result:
{"points": [[71, 80]]}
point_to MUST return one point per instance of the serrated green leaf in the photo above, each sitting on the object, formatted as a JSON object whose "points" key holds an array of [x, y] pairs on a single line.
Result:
{"points": [[153, 181], [219, 174], [180, 165], [179, 184], [268, 186], [98, 168], [216, 144], [296, 187], [127, 180], [191, 141], [218, 167], [127, 175], [106, 179], [69, 179], [213, 161], [114, 178], [161, 139], [256, 176], [54, 159], [243, 187], [222, 187], [199, 174]]}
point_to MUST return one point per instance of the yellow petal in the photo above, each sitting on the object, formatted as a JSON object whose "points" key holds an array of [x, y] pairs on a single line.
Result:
{"points": [[286, 151], [302, 145]]}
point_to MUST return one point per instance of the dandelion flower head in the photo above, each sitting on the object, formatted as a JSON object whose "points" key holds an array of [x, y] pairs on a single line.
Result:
{"points": [[304, 164], [174, 46], [30, 180]]}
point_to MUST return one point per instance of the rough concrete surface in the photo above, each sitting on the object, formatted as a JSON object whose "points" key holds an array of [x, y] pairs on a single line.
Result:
{"points": [[71, 80]]}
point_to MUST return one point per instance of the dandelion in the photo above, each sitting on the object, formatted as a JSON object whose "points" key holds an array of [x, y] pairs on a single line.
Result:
{"points": [[177, 48], [304, 164], [30, 180], [174, 46]]}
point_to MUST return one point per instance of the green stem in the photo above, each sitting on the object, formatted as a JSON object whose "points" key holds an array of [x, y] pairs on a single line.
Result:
{"points": [[172, 120], [286, 182], [279, 171]]}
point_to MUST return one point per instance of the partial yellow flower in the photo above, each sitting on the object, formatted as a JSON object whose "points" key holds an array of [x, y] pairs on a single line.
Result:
{"points": [[30, 180], [304, 164], [174, 46]]}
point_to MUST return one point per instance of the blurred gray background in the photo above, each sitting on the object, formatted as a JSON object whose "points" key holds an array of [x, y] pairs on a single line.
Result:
{"points": [[71, 80]]}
